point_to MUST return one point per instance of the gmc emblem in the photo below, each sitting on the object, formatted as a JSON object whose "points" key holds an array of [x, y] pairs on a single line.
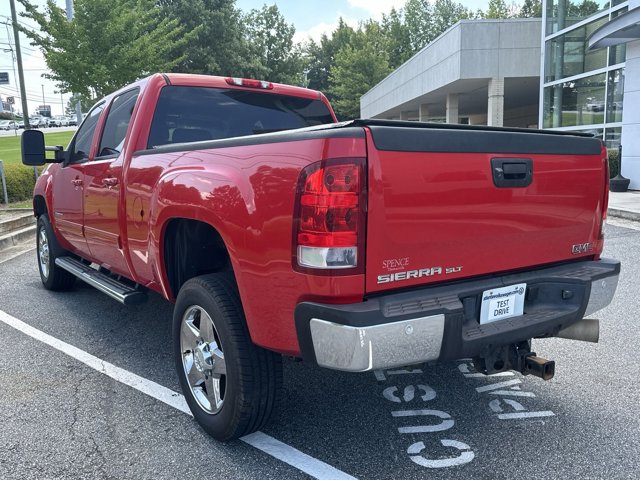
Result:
{"points": [[579, 248]]}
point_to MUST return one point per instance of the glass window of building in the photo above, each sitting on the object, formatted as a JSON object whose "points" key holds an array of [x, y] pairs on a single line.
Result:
{"points": [[615, 91], [574, 103], [564, 13], [617, 53], [612, 137], [569, 54], [582, 89]]}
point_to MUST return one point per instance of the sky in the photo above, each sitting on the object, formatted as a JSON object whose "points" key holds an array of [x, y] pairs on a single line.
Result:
{"points": [[311, 18]]}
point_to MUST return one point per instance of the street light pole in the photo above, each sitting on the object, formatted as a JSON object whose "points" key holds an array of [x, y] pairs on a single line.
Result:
{"points": [[15, 77], [69, 4], [23, 93]]}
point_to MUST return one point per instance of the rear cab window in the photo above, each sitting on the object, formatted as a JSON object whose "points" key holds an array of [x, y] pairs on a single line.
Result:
{"points": [[191, 114]]}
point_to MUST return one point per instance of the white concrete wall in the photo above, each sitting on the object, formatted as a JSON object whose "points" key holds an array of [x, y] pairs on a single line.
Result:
{"points": [[471, 49], [435, 66], [631, 116], [501, 49]]}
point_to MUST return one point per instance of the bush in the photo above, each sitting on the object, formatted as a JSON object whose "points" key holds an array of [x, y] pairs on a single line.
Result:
{"points": [[20, 182], [614, 163]]}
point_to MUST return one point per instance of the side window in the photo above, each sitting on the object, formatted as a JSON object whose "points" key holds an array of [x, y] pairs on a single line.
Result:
{"points": [[84, 136], [118, 119]]}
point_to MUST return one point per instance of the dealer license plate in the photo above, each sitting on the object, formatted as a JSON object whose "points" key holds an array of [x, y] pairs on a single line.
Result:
{"points": [[501, 303]]}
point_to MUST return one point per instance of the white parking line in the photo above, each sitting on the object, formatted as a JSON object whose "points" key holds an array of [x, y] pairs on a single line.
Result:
{"points": [[296, 458], [269, 445]]}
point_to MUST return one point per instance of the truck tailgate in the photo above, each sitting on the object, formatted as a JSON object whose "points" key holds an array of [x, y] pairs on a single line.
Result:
{"points": [[447, 203]]}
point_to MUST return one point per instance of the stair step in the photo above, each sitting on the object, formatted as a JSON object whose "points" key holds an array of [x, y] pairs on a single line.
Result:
{"points": [[13, 238], [15, 222], [115, 289]]}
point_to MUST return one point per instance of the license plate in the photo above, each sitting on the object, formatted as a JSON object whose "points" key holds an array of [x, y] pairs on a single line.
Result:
{"points": [[501, 303]]}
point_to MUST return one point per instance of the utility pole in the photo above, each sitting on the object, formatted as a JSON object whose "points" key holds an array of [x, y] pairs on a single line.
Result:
{"points": [[23, 92], [78, 105]]}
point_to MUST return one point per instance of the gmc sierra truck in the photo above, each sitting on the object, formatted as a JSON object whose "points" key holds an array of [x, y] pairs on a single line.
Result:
{"points": [[360, 245]]}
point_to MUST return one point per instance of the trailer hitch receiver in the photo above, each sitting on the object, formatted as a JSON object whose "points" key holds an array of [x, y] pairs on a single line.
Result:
{"points": [[518, 357]]}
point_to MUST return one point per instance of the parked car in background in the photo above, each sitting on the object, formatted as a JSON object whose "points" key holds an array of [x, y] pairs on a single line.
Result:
{"points": [[21, 124], [73, 121], [37, 122], [59, 121], [595, 105], [8, 125]]}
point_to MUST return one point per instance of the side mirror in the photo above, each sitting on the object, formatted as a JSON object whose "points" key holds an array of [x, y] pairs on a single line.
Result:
{"points": [[33, 150]]}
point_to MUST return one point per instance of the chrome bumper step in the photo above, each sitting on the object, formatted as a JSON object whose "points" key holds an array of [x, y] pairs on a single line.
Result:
{"points": [[117, 290]]}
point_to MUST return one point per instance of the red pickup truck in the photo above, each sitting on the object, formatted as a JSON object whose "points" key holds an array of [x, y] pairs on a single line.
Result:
{"points": [[356, 246]]}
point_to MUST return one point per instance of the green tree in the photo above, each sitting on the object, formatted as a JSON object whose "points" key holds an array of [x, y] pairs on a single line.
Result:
{"points": [[531, 9], [321, 56], [85, 103], [218, 45], [447, 13], [358, 67], [398, 40], [270, 40], [418, 19], [108, 44], [497, 9]]}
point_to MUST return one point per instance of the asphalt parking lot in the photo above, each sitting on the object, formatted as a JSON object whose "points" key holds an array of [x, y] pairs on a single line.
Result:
{"points": [[61, 418]]}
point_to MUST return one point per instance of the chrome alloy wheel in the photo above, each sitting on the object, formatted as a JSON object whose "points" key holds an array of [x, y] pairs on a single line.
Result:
{"points": [[43, 252], [203, 359]]}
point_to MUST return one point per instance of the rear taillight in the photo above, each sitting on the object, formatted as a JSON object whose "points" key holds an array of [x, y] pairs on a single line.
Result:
{"points": [[329, 217], [249, 82]]}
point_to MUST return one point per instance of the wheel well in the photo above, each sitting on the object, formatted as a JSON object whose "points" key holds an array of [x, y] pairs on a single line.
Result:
{"points": [[39, 206], [192, 248]]}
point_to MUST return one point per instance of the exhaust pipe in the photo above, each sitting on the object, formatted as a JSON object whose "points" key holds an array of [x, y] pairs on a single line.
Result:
{"points": [[586, 330], [539, 367]]}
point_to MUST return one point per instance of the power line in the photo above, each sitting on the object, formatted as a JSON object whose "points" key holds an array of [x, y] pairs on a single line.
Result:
{"points": [[23, 48], [27, 69], [9, 20], [31, 95]]}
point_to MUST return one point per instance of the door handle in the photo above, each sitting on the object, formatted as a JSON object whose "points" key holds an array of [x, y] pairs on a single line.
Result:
{"points": [[77, 182], [110, 182]]}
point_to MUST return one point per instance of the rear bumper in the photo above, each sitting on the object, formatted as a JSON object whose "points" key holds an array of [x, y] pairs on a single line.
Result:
{"points": [[441, 323]]}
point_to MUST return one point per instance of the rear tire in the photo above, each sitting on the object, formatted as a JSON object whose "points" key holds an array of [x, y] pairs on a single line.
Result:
{"points": [[53, 277], [231, 385]]}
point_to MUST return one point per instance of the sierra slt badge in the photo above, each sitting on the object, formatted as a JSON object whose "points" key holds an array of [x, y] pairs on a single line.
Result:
{"points": [[423, 272], [579, 248]]}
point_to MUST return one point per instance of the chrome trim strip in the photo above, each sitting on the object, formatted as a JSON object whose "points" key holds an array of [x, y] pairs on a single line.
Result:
{"points": [[354, 349]]}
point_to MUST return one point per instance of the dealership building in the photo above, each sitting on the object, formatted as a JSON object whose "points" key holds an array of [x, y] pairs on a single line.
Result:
{"points": [[577, 69], [480, 72]]}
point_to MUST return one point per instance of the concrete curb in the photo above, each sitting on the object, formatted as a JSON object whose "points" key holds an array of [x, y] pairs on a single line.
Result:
{"points": [[623, 213], [14, 238]]}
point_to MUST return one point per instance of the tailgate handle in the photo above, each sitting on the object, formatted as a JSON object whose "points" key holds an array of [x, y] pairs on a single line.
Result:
{"points": [[512, 172]]}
